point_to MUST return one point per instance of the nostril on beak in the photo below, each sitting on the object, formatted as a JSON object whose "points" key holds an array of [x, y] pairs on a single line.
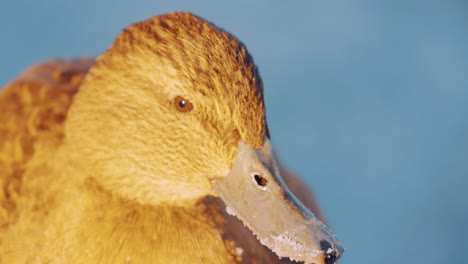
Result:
{"points": [[329, 253]]}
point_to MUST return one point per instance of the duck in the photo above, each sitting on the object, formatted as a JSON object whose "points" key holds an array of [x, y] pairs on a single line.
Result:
{"points": [[157, 151]]}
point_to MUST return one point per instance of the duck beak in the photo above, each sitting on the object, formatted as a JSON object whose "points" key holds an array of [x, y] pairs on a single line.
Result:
{"points": [[255, 193]]}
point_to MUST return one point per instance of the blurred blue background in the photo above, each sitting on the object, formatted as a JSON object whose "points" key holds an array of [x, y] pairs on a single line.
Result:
{"points": [[366, 100]]}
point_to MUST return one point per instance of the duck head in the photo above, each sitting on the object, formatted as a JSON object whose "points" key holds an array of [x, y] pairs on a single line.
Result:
{"points": [[174, 112]]}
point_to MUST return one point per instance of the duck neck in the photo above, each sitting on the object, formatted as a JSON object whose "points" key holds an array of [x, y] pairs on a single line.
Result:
{"points": [[151, 233]]}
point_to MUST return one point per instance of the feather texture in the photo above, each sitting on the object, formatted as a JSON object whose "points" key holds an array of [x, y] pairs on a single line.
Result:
{"points": [[55, 208]]}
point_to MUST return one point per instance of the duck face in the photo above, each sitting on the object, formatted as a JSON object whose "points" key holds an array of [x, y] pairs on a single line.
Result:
{"points": [[174, 112]]}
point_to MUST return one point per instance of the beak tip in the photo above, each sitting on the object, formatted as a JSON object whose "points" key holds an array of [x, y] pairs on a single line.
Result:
{"points": [[331, 253], [285, 246]]}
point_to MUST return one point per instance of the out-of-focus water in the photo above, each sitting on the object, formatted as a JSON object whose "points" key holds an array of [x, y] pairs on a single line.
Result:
{"points": [[367, 101]]}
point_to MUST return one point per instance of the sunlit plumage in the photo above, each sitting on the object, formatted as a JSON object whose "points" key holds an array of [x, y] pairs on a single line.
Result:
{"points": [[117, 173]]}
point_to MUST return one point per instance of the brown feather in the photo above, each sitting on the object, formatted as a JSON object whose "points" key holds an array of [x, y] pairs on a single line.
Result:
{"points": [[49, 215]]}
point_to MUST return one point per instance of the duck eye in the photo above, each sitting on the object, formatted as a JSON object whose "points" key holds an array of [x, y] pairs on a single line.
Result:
{"points": [[182, 104]]}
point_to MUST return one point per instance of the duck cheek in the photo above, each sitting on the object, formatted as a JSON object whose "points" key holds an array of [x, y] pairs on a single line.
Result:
{"points": [[254, 192]]}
